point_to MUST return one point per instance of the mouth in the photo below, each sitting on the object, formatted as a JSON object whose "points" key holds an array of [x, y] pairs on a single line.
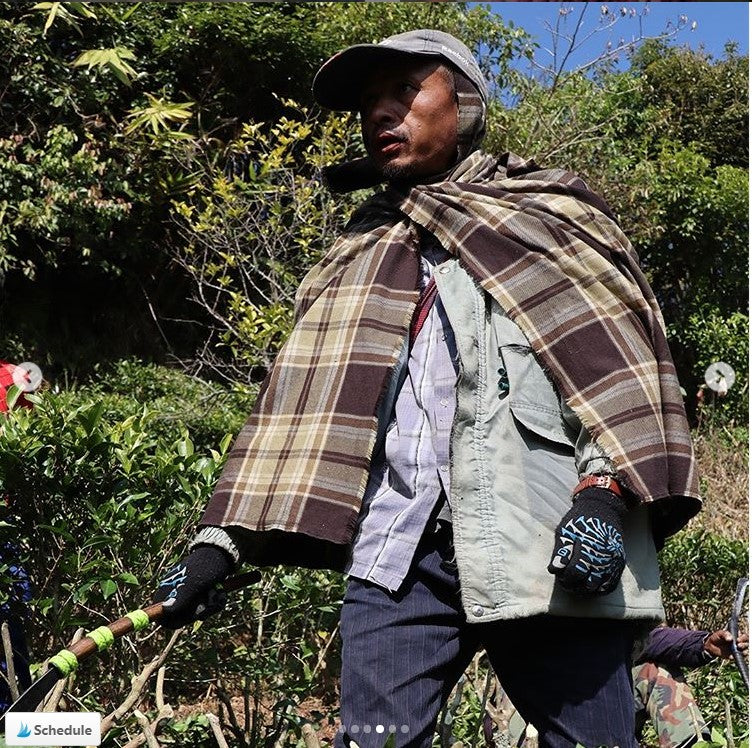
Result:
{"points": [[388, 142]]}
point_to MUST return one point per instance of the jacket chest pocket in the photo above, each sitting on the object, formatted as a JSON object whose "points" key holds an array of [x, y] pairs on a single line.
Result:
{"points": [[533, 399]]}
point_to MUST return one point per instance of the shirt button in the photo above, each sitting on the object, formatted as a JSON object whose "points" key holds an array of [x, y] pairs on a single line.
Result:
{"points": [[477, 611], [444, 270], [444, 467], [444, 401]]}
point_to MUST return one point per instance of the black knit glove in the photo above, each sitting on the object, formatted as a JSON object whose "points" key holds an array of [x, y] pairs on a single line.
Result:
{"points": [[589, 556], [189, 589]]}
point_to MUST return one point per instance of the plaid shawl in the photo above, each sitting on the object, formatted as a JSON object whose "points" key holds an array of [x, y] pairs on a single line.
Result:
{"points": [[549, 252]]}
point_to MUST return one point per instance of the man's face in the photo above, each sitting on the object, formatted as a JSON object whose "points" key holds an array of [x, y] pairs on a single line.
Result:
{"points": [[409, 119]]}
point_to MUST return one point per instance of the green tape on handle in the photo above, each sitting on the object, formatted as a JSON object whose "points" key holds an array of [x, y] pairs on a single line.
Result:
{"points": [[102, 637], [139, 619], [65, 661]]}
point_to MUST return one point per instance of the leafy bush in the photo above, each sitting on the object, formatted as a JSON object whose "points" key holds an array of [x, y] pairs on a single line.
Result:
{"points": [[104, 497], [699, 575], [699, 572], [247, 238], [99, 505], [209, 411], [67, 194], [717, 336]]}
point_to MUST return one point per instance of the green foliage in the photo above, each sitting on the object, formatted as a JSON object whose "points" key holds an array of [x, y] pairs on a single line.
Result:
{"points": [[278, 645], [64, 195], [695, 100], [716, 336], [693, 245], [159, 115], [192, 730], [718, 688], [176, 400], [80, 197], [699, 572], [113, 60], [94, 487], [60, 11], [576, 124], [246, 242], [720, 739], [99, 508]]}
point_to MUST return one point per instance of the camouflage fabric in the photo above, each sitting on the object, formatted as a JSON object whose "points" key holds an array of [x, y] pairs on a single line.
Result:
{"points": [[665, 699], [503, 725]]}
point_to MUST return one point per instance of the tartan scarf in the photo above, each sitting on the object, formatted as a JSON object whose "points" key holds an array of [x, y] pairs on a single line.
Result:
{"points": [[549, 252]]}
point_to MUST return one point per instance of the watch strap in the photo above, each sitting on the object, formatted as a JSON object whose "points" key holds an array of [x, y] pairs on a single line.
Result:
{"points": [[599, 481]]}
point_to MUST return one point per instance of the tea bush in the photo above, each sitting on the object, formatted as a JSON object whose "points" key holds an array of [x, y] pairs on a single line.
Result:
{"points": [[206, 409], [105, 492], [699, 573], [107, 482]]}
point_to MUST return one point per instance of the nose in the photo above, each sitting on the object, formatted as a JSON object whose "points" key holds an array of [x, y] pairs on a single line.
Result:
{"points": [[381, 110]]}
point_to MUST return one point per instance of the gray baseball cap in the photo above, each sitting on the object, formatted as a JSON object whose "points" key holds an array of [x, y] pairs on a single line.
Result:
{"points": [[339, 81]]}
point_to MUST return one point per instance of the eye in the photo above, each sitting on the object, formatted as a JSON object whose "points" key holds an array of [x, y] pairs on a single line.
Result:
{"points": [[406, 87], [366, 102]]}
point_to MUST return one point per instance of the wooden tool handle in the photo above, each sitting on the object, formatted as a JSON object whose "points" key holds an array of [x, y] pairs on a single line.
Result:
{"points": [[85, 647]]}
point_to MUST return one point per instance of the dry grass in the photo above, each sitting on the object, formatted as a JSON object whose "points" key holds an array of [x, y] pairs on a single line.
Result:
{"points": [[724, 476]]}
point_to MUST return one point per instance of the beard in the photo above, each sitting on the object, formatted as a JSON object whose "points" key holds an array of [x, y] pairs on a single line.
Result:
{"points": [[409, 171], [395, 172], [391, 170]]}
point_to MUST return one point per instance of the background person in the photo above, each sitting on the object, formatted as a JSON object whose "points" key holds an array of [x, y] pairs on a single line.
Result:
{"points": [[14, 611], [661, 694]]}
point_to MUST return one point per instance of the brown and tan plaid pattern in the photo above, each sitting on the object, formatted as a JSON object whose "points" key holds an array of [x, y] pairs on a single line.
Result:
{"points": [[471, 115], [550, 254]]}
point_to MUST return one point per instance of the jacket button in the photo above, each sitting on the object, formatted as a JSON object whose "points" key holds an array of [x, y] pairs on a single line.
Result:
{"points": [[477, 611]]}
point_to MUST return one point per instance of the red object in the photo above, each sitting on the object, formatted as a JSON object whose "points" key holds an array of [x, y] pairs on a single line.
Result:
{"points": [[424, 307], [598, 481], [6, 381]]}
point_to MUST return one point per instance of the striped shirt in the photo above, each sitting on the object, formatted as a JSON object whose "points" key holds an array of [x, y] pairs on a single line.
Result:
{"points": [[410, 475]]}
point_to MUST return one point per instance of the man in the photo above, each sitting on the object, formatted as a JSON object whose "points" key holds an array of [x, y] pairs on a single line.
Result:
{"points": [[423, 426], [661, 693]]}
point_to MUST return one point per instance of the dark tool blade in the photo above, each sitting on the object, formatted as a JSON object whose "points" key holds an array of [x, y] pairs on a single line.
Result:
{"points": [[35, 694], [742, 588]]}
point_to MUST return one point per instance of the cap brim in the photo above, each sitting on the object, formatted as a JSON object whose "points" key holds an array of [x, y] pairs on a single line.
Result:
{"points": [[340, 80]]}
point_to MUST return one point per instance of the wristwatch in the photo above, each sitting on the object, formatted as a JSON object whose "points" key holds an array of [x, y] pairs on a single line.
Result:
{"points": [[599, 481]]}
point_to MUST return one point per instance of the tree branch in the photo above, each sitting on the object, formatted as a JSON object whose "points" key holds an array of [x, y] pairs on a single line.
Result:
{"points": [[216, 729], [9, 663], [138, 684]]}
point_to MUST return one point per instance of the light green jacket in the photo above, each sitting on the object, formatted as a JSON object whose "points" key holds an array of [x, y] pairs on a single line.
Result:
{"points": [[516, 455]]}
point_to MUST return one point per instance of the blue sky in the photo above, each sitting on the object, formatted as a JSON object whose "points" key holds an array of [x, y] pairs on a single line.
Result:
{"points": [[714, 23]]}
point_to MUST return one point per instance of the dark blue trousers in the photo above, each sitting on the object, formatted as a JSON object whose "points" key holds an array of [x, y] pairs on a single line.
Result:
{"points": [[403, 652]]}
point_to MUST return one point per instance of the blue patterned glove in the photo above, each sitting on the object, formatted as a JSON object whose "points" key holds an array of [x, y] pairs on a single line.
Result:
{"points": [[189, 591], [589, 556]]}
